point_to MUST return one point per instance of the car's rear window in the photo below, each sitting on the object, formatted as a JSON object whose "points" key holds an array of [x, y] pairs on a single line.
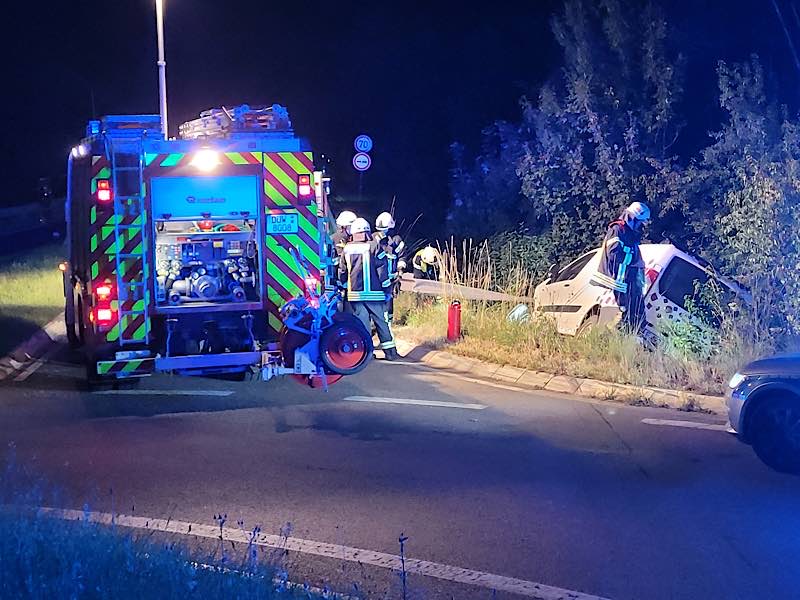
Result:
{"points": [[679, 281], [571, 270]]}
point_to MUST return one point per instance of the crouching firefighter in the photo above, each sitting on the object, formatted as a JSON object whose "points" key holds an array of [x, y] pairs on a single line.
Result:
{"points": [[364, 273], [621, 267]]}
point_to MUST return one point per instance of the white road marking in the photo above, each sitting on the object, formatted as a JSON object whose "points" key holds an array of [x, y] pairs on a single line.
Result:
{"points": [[436, 403], [686, 424], [164, 392], [426, 568]]}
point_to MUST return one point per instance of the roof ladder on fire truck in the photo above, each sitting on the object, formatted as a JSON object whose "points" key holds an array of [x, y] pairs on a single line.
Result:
{"points": [[130, 230]]}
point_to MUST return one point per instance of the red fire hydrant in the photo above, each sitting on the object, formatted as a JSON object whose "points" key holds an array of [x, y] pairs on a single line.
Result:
{"points": [[454, 321]]}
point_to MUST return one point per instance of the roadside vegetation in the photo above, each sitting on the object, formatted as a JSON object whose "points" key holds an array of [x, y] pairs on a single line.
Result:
{"points": [[614, 125], [47, 557], [698, 354], [31, 293]]}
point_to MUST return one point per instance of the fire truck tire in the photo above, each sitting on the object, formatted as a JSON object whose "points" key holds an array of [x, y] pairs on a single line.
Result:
{"points": [[345, 347], [72, 336]]}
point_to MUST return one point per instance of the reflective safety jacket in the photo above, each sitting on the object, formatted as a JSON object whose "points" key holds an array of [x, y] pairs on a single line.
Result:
{"points": [[364, 272], [429, 271], [620, 258], [392, 247]]}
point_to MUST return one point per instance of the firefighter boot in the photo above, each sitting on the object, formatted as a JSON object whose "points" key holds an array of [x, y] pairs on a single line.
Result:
{"points": [[391, 354]]}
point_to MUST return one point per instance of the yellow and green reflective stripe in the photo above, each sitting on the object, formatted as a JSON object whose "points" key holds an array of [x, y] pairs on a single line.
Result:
{"points": [[149, 157], [293, 162], [236, 158], [282, 176], [93, 215], [275, 195], [93, 243]]}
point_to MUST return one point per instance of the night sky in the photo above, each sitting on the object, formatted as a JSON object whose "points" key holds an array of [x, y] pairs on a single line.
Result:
{"points": [[415, 78]]}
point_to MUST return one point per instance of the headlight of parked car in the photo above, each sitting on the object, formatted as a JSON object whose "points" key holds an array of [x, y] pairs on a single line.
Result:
{"points": [[736, 381]]}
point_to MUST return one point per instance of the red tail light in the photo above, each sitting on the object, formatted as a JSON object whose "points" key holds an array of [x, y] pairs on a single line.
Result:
{"points": [[651, 275], [304, 186], [104, 192]]}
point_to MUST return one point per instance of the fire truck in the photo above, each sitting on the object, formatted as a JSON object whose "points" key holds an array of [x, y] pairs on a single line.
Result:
{"points": [[205, 254]]}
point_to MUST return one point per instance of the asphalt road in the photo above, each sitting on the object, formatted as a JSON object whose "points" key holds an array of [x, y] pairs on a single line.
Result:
{"points": [[536, 486]]}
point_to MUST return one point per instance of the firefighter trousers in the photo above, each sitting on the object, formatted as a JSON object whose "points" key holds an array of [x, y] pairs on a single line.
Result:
{"points": [[376, 312]]}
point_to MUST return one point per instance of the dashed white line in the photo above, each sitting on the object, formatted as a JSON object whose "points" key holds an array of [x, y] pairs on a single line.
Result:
{"points": [[411, 401], [163, 392], [686, 424], [500, 583]]}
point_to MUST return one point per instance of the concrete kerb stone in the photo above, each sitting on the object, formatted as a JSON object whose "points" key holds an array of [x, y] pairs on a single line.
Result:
{"points": [[589, 388], [509, 373], [535, 379], [563, 383]]}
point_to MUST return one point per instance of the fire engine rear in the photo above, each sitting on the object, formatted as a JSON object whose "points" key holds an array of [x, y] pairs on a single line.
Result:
{"points": [[205, 254]]}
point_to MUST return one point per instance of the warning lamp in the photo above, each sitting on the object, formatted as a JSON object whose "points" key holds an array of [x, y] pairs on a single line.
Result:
{"points": [[304, 186], [205, 160], [205, 225], [104, 193], [651, 275], [103, 291]]}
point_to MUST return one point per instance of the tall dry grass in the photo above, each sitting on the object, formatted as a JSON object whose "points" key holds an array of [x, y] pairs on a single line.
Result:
{"points": [[605, 354]]}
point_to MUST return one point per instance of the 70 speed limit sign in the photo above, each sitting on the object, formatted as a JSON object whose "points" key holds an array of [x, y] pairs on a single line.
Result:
{"points": [[363, 143]]}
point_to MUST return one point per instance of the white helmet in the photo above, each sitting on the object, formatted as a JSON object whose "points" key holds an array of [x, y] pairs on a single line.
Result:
{"points": [[346, 218], [638, 211], [359, 226], [384, 221], [429, 255]]}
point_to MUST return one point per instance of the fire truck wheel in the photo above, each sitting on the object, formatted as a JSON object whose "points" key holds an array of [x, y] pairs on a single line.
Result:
{"points": [[345, 347], [72, 336]]}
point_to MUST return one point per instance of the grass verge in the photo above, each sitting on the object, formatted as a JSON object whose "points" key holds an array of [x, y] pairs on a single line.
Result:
{"points": [[605, 355], [47, 557], [31, 293]]}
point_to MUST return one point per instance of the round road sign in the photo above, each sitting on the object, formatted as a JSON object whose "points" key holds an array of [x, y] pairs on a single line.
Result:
{"points": [[362, 161], [363, 143]]}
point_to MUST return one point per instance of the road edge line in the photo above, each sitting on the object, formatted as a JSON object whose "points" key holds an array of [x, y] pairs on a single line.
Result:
{"points": [[500, 583]]}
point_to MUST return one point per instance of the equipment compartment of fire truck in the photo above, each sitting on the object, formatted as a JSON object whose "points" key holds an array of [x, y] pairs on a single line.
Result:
{"points": [[203, 255]]}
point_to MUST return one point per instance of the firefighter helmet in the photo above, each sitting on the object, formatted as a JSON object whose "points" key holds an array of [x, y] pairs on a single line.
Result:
{"points": [[360, 226], [384, 221], [429, 255], [345, 218], [638, 211]]}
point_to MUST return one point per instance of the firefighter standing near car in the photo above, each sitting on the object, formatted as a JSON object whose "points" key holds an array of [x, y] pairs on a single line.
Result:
{"points": [[621, 267], [393, 246], [364, 273]]}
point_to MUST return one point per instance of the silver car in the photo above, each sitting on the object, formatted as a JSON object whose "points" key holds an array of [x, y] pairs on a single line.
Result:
{"points": [[764, 409]]}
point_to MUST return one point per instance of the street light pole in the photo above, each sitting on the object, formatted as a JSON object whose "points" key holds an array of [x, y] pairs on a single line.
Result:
{"points": [[162, 67]]}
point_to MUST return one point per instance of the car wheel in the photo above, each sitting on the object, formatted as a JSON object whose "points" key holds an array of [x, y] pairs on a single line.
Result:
{"points": [[589, 324], [775, 433]]}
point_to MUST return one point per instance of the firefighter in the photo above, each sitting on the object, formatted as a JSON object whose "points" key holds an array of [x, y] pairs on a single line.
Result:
{"points": [[426, 263], [344, 221], [393, 246], [621, 267], [342, 235], [364, 273]]}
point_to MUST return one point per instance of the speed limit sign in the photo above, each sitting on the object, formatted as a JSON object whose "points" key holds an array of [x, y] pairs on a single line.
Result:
{"points": [[363, 143]]}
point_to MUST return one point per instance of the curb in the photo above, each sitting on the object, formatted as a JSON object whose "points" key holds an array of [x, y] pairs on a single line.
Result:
{"points": [[32, 349], [588, 388]]}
